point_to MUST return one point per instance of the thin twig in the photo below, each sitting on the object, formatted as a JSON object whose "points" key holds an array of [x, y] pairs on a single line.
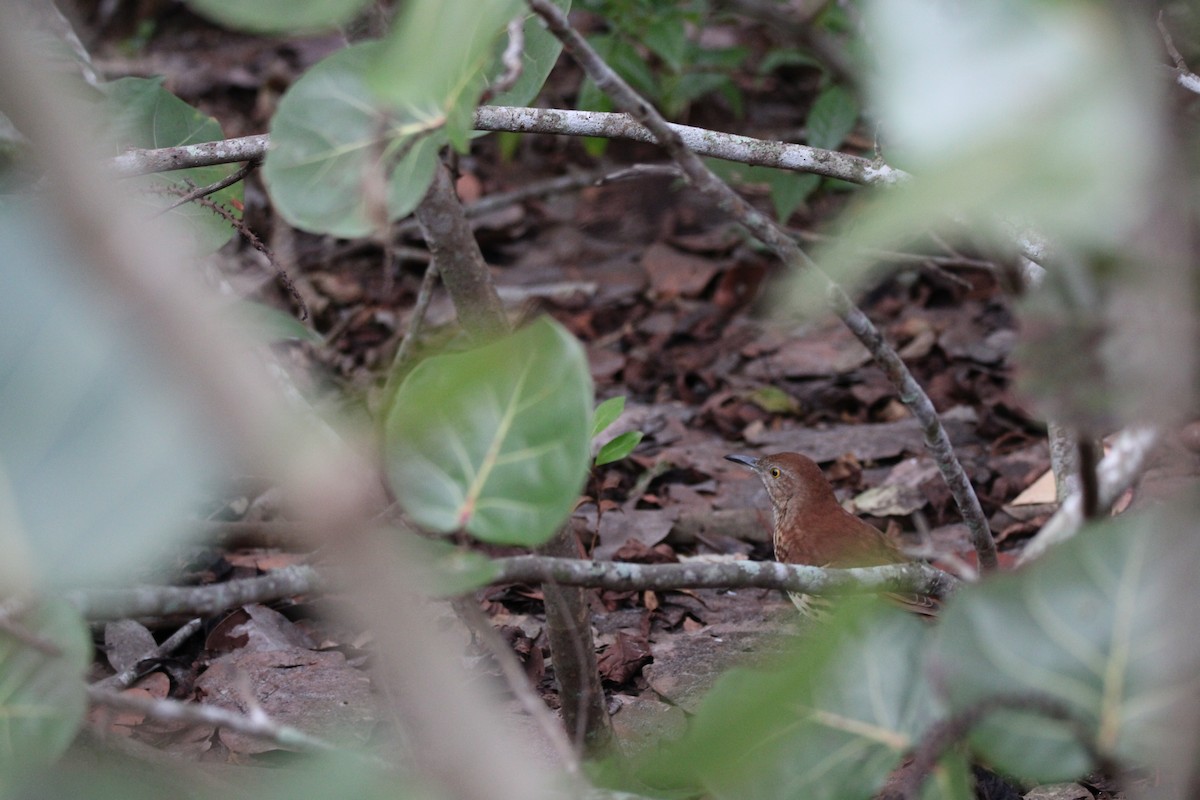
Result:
{"points": [[126, 677], [786, 249], [417, 319], [257, 724], [1183, 74], [907, 780], [240, 226], [212, 188], [518, 683], [1116, 472], [158, 601], [511, 59]]}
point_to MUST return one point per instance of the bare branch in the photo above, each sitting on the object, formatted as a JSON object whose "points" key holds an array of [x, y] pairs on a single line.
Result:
{"points": [[1116, 473], [258, 725], [621, 576], [157, 601], [125, 678], [510, 59], [562, 122]]}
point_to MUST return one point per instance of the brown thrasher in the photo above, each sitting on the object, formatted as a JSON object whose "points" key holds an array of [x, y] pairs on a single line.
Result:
{"points": [[811, 527]]}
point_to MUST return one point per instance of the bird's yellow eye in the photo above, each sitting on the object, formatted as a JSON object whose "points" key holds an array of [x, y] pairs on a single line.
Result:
{"points": [[774, 472]]}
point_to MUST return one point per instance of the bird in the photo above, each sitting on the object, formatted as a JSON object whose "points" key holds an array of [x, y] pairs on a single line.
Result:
{"points": [[811, 527]]}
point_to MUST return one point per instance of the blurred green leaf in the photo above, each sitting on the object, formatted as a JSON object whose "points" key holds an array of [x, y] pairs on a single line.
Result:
{"points": [[331, 134], [141, 113], [494, 440], [1088, 625], [789, 190], [618, 448], [450, 571], [1008, 117], [832, 117], [607, 413], [100, 461], [434, 64], [540, 54], [832, 716], [774, 400], [278, 16], [777, 58], [266, 323], [667, 38], [42, 697]]}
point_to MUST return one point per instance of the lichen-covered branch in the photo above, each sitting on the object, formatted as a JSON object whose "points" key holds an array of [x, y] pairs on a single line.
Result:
{"points": [[622, 576]]}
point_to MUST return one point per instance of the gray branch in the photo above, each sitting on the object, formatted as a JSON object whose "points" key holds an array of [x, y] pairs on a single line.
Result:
{"points": [[156, 601], [622, 576], [560, 122]]}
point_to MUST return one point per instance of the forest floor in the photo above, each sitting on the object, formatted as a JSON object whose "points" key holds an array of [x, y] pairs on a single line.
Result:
{"points": [[668, 297]]}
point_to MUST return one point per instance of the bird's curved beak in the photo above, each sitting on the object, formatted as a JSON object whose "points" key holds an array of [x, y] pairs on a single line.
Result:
{"points": [[746, 461]]}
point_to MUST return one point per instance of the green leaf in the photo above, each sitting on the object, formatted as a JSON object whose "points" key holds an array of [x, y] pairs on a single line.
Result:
{"points": [[844, 741], [100, 462], [666, 36], [494, 440], [1090, 625], [436, 61], [141, 113], [607, 413], [541, 52], [278, 16], [1010, 117], [42, 696], [780, 57], [831, 718], [774, 400], [832, 117], [331, 134], [789, 190], [450, 571], [618, 448], [269, 324]]}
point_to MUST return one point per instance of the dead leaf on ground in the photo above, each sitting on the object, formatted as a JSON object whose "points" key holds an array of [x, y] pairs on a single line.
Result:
{"points": [[675, 274], [624, 658], [126, 642], [829, 350]]}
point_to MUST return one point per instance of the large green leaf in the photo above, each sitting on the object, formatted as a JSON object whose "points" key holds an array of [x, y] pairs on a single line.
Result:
{"points": [[277, 16], [541, 52], [1008, 117], [99, 462], [1088, 625], [42, 695], [495, 440], [142, 113], [332, 140], [435, 62], [834, 715], [867, 708]]}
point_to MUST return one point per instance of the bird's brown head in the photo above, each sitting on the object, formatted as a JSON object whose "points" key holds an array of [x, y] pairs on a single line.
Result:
{"points": [[792, 480]]}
